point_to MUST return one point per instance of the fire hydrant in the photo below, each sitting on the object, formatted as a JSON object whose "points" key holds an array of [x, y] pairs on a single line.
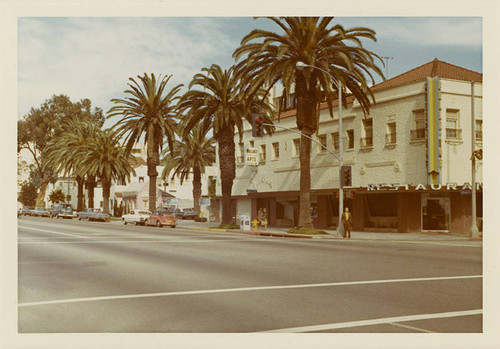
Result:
{"points": [[255, 224]]}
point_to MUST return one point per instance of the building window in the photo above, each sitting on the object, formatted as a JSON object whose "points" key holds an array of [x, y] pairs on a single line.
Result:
{"points": [[262, 153], [419, 131], [141, 179], [296, 147], [367, 139], [350, 139], [322, 140], [252, 144], [390, 137], [276, 150], [453, 130], [335, 140], [479, 130]]}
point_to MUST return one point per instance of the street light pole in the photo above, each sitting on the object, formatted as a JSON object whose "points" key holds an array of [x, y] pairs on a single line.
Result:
{"points": [[300, 66], [474, 232]]}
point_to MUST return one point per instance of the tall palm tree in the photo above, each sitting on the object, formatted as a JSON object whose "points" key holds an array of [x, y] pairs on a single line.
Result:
{"points": [[192, 154], [65, 150], [312, 41], [149, 111], [105, 158], [222, 104]]}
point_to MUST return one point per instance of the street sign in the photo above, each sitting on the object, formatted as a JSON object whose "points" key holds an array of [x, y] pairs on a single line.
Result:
{"points": [[252, 156], [212, 171]]}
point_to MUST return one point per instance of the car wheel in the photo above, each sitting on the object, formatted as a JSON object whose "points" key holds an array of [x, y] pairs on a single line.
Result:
{"points": [[79, 218], [124, 221], [173, 226], [136, 223], [158, 224]]}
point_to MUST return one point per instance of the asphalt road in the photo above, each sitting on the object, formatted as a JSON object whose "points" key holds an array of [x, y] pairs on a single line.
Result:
{"points": [[87, 277]]}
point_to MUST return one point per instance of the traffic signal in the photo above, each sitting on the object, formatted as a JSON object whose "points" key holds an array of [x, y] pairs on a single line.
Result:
{"points": [[346, 178], [257, 125]]}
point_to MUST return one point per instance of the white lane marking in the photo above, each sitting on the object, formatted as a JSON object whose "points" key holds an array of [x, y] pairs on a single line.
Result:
{"points": [[242, 289], [53, 232], [167, 240], [380, 321], [411, 328], [444, 243]]}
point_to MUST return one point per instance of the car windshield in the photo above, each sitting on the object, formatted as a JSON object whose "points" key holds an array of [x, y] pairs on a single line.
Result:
{"points": [[39, 208], [97, 210], [164, 213], [143, 212]]}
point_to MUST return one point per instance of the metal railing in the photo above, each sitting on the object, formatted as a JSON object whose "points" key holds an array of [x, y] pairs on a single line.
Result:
{"points": [[454, 133], [419, 133]]}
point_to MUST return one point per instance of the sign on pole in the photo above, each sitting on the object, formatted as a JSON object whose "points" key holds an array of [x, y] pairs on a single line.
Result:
{"points": [[252, 156], [212, 171]]}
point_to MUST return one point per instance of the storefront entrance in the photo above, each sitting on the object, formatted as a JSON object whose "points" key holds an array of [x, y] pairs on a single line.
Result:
{"points": [[435, 213]]}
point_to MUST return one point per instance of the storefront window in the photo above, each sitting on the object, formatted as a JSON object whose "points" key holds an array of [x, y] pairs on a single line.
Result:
{"points": [[435, 213]]}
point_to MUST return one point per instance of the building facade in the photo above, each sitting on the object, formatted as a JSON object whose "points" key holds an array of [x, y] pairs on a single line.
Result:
{"points": [[410, 158]]}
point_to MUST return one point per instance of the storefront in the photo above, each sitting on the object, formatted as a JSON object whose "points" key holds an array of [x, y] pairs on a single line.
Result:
{"points": [[395, 208]]}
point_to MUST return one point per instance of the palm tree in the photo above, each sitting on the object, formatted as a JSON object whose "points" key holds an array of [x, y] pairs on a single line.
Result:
{"points": [[192, 154], [222, 105], [147, 112], [64, 151], [314, 42], [105, 158]]}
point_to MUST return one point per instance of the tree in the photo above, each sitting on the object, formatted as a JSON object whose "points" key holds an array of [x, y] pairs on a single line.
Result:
{"points": [[148, 112], [312, 41], [28, 194], [105, 158], [192, 154], [40, 126], [56, 196], [64, 151], [222, 105]]}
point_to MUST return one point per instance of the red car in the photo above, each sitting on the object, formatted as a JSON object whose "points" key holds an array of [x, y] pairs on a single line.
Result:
{"points": [[161, 218]]}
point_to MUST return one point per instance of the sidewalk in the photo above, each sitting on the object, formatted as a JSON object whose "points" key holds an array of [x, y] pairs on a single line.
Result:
{"points": [[282, 232]]}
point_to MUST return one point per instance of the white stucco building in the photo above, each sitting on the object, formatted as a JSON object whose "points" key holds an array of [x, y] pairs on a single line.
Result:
{"points": [[409, 158]]}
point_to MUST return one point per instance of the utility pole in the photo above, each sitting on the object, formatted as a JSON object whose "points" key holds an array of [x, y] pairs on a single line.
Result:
{"points": [[386, 65], [474, 232]]}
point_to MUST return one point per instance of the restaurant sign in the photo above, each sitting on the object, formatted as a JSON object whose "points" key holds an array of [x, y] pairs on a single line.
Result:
{"points": [[424, 187]]}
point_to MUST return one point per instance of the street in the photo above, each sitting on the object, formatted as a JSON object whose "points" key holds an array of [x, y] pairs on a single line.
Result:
{"points": [[87, 277]]}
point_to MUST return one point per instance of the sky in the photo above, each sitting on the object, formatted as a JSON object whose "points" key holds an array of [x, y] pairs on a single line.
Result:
{"points": [[93, 57]]}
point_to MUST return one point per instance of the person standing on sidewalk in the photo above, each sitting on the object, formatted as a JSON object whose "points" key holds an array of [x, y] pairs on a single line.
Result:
{"points": [[263, 221], [347, 222]]}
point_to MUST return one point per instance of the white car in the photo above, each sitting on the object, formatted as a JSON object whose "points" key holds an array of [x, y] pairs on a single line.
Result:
{"points": [[136, 216]]}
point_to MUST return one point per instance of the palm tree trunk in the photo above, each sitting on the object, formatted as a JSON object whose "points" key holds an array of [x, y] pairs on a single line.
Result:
{"points": [[227, 163], [153, 160], [305, 220], [106, 190], [196, 188], [307, 121], [91, 183], [79, 181]]}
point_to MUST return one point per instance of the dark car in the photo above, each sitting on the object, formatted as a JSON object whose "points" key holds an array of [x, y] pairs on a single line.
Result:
{"points": [[62, 210], [189, 214], [161, 218], [41, 212], [93, 214]]}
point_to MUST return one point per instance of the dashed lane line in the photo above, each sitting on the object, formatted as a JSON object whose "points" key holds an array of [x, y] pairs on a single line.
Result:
{"points": [[242, 289]]}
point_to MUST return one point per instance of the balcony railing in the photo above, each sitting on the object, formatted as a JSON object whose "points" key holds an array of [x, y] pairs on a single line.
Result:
{"points": [[454, 133], [366, 142], [419, 133], [390, 138]]}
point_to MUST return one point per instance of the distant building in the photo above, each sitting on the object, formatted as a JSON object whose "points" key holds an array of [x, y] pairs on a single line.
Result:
{"points": [[409, 158]]}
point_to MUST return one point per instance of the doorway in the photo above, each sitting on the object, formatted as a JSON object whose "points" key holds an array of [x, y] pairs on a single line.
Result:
{"points": [[435, 213]]}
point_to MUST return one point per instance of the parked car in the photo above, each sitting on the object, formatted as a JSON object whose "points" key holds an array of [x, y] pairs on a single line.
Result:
{"points": [[26, 210], [41, 212], [188, 213], [93, 214], [61, 210], [161, 218], [136, 216]]}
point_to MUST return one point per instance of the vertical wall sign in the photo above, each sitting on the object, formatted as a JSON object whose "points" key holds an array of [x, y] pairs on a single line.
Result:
{"points": [[433, 130]]}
